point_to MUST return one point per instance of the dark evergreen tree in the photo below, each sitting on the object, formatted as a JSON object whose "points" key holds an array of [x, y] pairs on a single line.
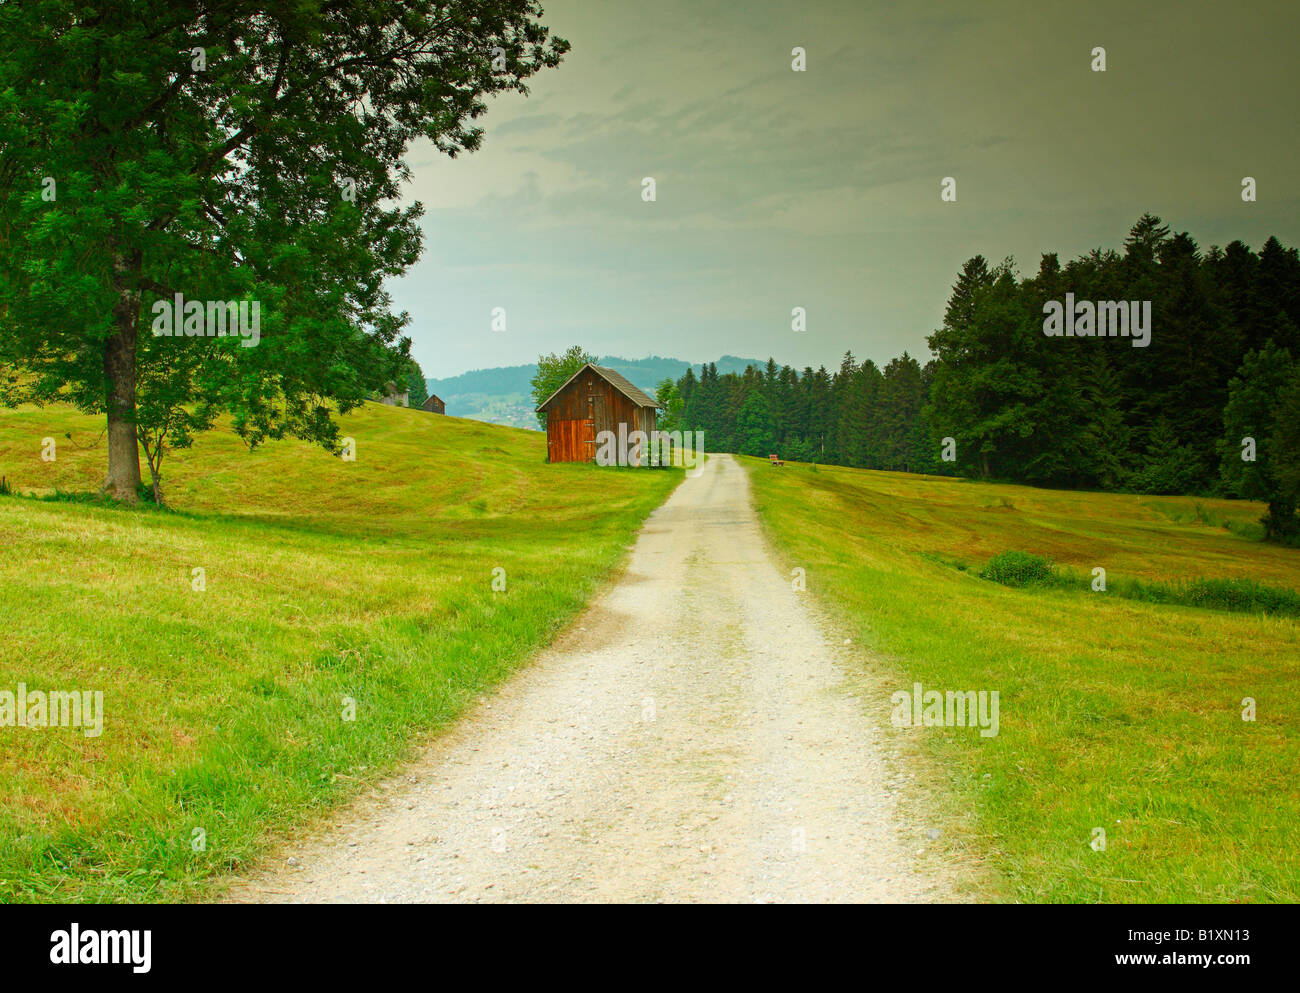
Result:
{"points": [[1252, 425], [1082, 411], [416, 386], [754, 431]]}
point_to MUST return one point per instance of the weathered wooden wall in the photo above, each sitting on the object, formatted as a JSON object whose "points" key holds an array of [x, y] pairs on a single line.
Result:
{"points": [[570, 441]]}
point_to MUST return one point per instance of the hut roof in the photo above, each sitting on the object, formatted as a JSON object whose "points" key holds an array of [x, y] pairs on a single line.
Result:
{"points": [[616, 380]]}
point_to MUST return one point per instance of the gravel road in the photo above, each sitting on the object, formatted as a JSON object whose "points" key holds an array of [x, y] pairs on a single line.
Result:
{"points": [[693, 737]]}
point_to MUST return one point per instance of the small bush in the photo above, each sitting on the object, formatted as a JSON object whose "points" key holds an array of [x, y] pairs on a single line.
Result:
{"points": [[4, 487], [1018, 569]]}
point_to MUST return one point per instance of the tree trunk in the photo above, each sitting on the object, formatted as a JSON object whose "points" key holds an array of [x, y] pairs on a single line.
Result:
{"points": [[123, 481]]}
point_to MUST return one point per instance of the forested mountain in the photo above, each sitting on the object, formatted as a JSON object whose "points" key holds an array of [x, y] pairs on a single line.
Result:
{"points": [[501, 395], [505, 379], [645, 373], [1216, 379]]}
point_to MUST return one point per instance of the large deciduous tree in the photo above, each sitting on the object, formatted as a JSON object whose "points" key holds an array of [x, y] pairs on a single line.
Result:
{"points": [[226, 150]]}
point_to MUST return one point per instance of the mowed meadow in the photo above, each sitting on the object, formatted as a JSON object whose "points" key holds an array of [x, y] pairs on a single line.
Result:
{"points": [[1114, 713], [325, 581]]}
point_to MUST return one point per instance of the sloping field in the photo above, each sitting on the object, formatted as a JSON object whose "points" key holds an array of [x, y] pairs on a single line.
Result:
{"points": [[328, 587], [1115, 714]]}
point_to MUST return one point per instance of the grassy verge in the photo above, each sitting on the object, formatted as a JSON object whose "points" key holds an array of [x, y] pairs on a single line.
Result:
{"points": [[225, 710], [1024, 569], [1116, 713]]}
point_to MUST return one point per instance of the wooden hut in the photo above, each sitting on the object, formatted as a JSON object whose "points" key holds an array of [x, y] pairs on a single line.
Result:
{"points": [[433, 405], [396, 396], [592, 401]]}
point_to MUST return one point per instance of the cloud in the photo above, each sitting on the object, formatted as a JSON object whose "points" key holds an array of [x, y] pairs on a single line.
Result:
{"points": [[822, 187]]}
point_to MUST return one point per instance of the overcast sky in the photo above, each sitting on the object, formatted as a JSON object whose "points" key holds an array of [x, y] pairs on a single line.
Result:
{"points": [[821, 189]]}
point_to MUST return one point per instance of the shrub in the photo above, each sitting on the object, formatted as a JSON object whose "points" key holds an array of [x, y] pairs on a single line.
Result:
{"points": [[1018, 569]]}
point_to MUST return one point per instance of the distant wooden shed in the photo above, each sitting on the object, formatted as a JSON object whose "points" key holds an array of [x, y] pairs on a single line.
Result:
{"points": [[433, 405], [593, 400], [396, 396]]}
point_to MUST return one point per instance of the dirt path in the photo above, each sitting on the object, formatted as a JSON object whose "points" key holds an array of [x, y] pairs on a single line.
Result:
{"points": [[692, 738]]}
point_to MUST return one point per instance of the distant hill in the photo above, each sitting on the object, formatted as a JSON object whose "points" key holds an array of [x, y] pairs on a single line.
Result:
{"points": [[504, 379], [502, 395]]}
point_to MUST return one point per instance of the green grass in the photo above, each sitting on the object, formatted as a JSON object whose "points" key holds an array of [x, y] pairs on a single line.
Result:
{"points": [[324, 580], [1114, 712], [1020, 569]]}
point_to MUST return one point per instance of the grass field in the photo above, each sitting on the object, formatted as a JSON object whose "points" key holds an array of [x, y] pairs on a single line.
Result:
{"points": [[324, 580], [1114, 714]]}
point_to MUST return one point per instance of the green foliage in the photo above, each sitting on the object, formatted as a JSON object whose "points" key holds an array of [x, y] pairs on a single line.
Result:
{"points": [[1236, 594], [1103, 442], [1018, 569], [1243, 595], [670, 417], [553, 371], [1239, 594], [988, 390], [859, 416], [270, 173], [1263, 404], [754, 429], [1170, 467], [1284, 446], [1077, 412], [415, 385]]}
